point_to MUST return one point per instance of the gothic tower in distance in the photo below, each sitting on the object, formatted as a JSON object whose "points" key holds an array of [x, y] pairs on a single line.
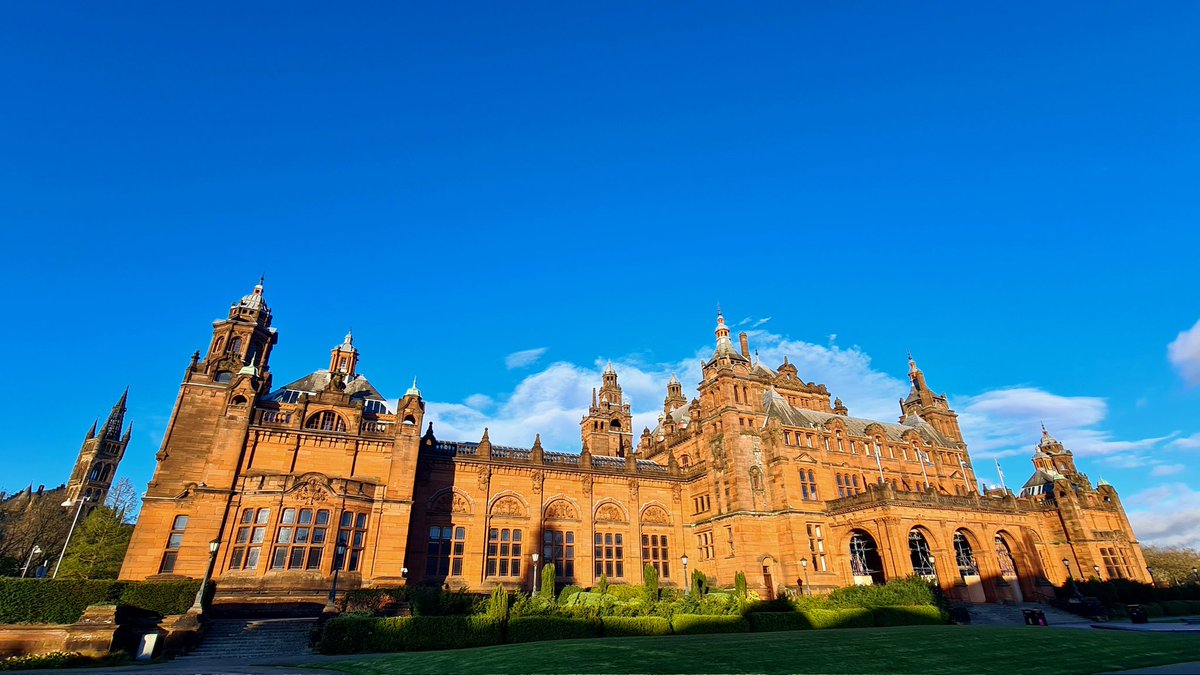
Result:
{"points": [[98, 459]]}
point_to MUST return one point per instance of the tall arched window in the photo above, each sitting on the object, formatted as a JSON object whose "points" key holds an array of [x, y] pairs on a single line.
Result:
{"points": [[920, 555], [864, 558], [967, 567], [235, 346], [326, 420], [1008, 568]]}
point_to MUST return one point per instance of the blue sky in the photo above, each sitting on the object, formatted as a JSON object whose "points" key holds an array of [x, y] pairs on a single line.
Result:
{"points": [[1008, 192]]}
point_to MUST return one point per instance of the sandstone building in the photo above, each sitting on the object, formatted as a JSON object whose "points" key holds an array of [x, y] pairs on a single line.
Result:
{"points": [[761, 473]]}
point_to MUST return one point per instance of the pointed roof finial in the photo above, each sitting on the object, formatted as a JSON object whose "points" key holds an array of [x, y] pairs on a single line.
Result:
{"points": [[673, 380], [413, 391], [261, 278], [537, 441], [92, 432], [485, 435], [349, 339]]}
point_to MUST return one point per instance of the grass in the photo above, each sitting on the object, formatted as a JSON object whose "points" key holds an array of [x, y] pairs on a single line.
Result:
{"points": [[933, 650]]}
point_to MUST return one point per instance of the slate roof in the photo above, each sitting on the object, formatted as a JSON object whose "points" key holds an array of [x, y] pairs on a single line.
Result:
{"points": [[791, 416], [357, 387]]}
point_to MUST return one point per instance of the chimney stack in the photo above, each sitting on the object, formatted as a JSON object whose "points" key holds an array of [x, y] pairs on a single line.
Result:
{"points": [[745, 344]]}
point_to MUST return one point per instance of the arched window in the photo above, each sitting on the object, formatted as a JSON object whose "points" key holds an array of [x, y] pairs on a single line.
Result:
{"points": [[218, 344], [685, 460], [326, 420], [239, 400], [235, 346], [1008, 568], [920, 555], [964, 556], [615, 424]]}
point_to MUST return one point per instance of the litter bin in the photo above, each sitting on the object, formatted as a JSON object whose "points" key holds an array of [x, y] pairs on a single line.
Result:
{"points": [[1034, 617], [1137, 614]]}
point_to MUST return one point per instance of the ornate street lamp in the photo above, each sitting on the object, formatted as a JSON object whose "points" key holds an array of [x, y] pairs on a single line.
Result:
{"points": [[331, 605], [687, 582], [1096, 569], [807, 586], [1151, 571], [198, 606], [38, 549], [1067, 564], [535, 574]]}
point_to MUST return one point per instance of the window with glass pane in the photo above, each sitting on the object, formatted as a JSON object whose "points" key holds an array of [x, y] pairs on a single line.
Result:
{"points": [[808, 484], [656, 554], [503, 553], [444, 554], [300, 539], [174, 541], [609, 554], [248, 539], [352, 533], [558, 547]]}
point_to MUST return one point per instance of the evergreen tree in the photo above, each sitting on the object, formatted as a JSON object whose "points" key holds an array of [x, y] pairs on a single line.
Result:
{"points": [[650, 581], [547, 589], [739, 585], [97, 547]]}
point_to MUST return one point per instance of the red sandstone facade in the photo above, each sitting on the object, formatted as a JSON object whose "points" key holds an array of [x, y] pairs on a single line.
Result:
{"points": [[757, 474]]}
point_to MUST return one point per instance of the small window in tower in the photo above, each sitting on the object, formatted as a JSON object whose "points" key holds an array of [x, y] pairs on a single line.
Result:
{"points": [[235, 345], [615, 424], [239, 400], [410, 420]]}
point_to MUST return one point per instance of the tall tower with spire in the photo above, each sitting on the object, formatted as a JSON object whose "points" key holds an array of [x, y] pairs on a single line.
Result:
{"points": [[607, 428], [929, 406], [99, 456]]}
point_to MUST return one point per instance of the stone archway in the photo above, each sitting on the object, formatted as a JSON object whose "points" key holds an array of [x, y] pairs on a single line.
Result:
{"points": [[1009, 584], [866, 565], [968, 567], [920, 555]]}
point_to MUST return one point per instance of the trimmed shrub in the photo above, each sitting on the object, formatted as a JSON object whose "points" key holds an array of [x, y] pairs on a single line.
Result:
{"points": [[376, 601], [776, 605], [56, 601], [912, 615], [1175, 608], [839, 618], [739, 585], [1153, 609], [432, 601], [61, 660], [650, 582], [910, 591], [546, 590], [564, 596], [620, 626], [498, 604], [348, 634], [687, 624], [699, 584], [1193, 606], [625, 593], [602, 585], [356, 633], [535, 628], [766, 622], [160, 597]]}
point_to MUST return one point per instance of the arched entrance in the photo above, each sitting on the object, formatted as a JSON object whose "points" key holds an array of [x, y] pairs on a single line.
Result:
{"points": [[768, 567], [866, 566], [1011, 582], [968, 568], [920, 555]]}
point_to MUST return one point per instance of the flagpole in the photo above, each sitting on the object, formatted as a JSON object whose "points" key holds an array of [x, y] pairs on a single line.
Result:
{"points": [[999, 471], [922, 457]]}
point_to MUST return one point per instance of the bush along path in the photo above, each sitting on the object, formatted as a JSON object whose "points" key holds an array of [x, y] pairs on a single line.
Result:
{"points": [[611, 610]]}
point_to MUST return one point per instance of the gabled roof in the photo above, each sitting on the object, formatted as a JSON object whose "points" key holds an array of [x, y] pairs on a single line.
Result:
{"points": [[778, 408]]}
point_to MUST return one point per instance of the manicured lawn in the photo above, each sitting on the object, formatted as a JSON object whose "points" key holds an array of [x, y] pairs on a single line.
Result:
{"points": [[1023, 650]]}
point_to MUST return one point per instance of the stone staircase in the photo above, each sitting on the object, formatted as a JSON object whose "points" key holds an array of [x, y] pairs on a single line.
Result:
{"points": [[253, 640], [992, 614]]}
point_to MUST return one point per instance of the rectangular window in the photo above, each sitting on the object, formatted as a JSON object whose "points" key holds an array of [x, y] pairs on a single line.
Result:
{"points": [[503, 553], [702, 503], [610, 554], [444, 556], [300, 539], [174, 541], [808, 485], [558, 547], [704, 545], [248, 540], [656, 554], [729, 539], [352, 533], [816, 547]]}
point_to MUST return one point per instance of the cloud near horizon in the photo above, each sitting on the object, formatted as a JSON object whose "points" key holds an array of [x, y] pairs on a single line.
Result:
{"points": [[523, 358]]}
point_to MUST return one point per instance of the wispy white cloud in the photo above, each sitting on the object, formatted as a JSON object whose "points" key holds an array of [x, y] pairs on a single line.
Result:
{"points": [[479, 401], [1187, 442], [523, 358], [1167, 469], [1184, 354], [1167, 514]]}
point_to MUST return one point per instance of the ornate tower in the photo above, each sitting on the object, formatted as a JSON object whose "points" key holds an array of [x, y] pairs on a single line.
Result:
{"points": [[344, 357], [1051, 456], [607, 428], [99, 457], [929, 406]]}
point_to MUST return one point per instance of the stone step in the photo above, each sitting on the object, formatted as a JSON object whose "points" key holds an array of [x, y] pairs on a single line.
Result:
{"points": [[250, 639]]}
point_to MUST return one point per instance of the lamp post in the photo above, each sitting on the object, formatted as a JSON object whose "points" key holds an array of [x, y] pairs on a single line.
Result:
{"points": [[807, 586], [535, 574], [932, 566], [1067, 564], [1151, 571], [70, 532], [1195, 575], [404, 574], [331, 605], [687, 582], [34, 551], [1096, 569], [198, 606]]}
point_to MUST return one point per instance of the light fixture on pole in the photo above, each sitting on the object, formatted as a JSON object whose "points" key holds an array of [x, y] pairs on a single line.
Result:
{"points": [[1096, 569], [404, 574], [1067, 564], [1195, 575], [1151, 571], [807, 586], [34, 551], [932, 566], [686, 581], [331, 604], [535, 574], [70, 532], [198, 606]]}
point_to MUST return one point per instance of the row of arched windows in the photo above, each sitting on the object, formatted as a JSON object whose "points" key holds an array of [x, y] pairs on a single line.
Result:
{"points": [[865, 560]]}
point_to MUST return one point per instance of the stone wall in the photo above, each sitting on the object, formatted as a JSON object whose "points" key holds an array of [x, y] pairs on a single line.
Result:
{"points": [[92, 635]]}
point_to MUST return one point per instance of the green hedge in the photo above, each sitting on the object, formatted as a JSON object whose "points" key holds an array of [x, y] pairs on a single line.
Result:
{"points": [[765, 622], [1193, 606], [626, 592], [618, 626], [912, 615], [898, 592], [839, 618], [536, 628], [685, 624], [1153, 609], [356, 633], [60, 601], [1176, 608]]}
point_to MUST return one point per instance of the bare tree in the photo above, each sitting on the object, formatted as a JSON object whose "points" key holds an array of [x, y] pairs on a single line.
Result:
{"points": [[123, 498], [1172, 564]]}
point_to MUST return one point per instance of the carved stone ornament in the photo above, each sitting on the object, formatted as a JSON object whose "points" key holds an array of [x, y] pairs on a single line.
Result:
{"points": [[508, 506], [450, 502], [656, 515], [634, 486], [539, 477], [587, 486], [676, 494], [561, 509], [485, 475], [610, 513], [311, 491]]}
